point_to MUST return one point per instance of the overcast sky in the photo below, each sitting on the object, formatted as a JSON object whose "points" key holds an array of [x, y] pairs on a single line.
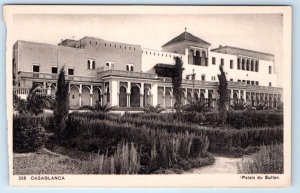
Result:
{"points": [[261, 32]]}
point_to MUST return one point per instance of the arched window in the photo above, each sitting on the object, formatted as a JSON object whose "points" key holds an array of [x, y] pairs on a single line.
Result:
{"points": [[94, 64], [252, 65], [131, 68], [88, 64], [197, 58], [248, 65], [127, 68], [107, 64], [256, 66]]}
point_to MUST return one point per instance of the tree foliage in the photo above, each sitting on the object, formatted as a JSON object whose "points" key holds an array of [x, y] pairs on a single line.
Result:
{"points": [[35, 102], [99, 107], [197, 106], [153, 109], [223, 96], [61, 106], [176, 82]]}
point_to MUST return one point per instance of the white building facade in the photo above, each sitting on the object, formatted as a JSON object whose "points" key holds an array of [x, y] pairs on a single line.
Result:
{"points": [[127, 75]]}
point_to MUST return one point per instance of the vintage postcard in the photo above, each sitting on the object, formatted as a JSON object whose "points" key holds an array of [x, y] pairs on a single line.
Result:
{"points": [[149, 96]]}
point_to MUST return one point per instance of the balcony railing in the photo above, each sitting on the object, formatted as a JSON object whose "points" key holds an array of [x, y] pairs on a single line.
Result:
{"points": [[185, 81], [50, 76], [122, 73], [19, 91]]}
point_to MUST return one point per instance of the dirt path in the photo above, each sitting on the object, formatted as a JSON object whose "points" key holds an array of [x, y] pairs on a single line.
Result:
{"points": [[222, 165]]}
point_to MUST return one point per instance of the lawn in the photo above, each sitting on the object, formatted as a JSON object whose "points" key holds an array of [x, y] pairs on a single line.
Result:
{"points": [[44, 162]]}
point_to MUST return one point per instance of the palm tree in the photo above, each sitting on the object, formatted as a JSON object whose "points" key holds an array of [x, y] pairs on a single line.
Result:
{"points": [[99, 108], [35, 102], [153, 109], [198, 106]]}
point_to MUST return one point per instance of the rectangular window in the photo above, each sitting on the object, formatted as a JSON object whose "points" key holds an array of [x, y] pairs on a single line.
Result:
{"points": [[239, 80], [213, 60], [243, 80], [203, 77], [257, 83], [35, 68], [54, 70], [231, 64], [71, 71], [270, 83], [248, 81], [231, 79], [222, 61], [252, 82], [270, 69]]}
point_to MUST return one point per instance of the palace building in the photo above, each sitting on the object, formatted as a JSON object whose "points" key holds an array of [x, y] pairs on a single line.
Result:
{"points": [[127, 75]]}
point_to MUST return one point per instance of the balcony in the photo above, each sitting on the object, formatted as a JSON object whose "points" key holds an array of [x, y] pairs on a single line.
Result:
{"points": [[49, 76], [129, 74], [185, 81]]}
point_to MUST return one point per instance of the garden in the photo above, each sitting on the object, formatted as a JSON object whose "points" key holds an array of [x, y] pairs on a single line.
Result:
{"points": [[99, 141]]}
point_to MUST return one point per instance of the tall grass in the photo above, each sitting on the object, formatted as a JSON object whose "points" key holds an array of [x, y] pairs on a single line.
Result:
{"points": [[126, 160], [268, 160]]}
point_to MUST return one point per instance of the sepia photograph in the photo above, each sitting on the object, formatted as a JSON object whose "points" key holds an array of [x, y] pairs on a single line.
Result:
{"points": [[147, 96]]}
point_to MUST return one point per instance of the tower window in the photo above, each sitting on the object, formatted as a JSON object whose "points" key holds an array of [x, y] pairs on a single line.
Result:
{"points": [[222, 61], [270, 69]]}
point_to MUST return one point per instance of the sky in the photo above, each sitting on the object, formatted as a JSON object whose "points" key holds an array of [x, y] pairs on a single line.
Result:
{"points": [[259, 32]]}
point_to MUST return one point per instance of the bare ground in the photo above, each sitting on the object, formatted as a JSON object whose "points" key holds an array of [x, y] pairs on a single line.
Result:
{"points": [[222, 165]]}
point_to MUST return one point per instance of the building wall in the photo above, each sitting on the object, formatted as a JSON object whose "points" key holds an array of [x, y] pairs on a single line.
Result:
{"points": [[262, 75], [47, 55], [152, 57], [181, 46]]}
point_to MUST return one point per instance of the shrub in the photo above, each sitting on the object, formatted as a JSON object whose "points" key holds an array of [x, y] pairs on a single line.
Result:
{"points": [[152, 109], [249, 118], [269, 160], [27, 136]]}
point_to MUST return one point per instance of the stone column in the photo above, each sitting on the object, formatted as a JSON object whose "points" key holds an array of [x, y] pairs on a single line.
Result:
{"points": [[128, 99], [91, 95], [48, 89], [142, 95], [154, 92], [80, 93]]}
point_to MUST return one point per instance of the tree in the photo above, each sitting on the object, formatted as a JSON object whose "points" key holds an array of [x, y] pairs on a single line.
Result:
{"points": [[99, 108], [61, 106], [223, 96], [176, 82], [35, 102]]}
